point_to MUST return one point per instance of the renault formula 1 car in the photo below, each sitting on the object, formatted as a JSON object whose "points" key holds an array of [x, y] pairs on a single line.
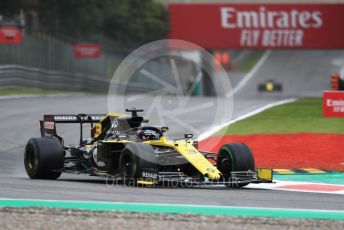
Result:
{"points": [[270, 86], [121, 147]]}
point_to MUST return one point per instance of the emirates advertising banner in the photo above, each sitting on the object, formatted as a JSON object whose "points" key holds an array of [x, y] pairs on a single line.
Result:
{"points": [[259, 25], [333, 104]]}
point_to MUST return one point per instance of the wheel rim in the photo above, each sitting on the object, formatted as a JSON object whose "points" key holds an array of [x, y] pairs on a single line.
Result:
{"points": [[226, 162], [30, 161]]}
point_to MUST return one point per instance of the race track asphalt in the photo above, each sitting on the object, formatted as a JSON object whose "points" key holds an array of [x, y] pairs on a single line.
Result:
{"points": [[19, 121]]}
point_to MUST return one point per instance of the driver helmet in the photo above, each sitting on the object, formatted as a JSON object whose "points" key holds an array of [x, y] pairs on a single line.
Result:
{"points": [[147, 135]]}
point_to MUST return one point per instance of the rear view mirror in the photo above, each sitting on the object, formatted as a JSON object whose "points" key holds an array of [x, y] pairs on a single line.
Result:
{"points": [[188, 135], [164, 129]]}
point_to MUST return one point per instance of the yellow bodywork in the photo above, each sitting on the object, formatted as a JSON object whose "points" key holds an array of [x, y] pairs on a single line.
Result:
{"points": [[146, 182], [98, 126], [269, 86], [184, 147], [188, 151], [97, 130], [265, 174], [192, 155]]}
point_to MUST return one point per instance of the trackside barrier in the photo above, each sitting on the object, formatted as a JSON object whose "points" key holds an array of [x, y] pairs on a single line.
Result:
{"points": [[16, 75], [31, 77]]}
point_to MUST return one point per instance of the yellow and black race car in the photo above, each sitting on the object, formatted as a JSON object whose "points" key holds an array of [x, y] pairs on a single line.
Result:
{"points": [[270, 86], [122, 148]]}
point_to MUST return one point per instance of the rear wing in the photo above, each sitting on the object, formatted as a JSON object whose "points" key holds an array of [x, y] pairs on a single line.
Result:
{"points": [[48, 124], [70, 118]]}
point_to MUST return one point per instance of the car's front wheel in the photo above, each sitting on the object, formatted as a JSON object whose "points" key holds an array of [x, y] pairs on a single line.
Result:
{"points": [[235, 157], [135, 158]]}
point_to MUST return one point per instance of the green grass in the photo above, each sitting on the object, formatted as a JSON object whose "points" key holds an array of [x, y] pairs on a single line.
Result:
{"points": [[33, 91], [250, 61], [302, 116]]}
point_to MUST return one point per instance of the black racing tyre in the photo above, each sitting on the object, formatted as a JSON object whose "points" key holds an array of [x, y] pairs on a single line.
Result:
{"points": [[43, 158], [235, 157], [134, 158]]}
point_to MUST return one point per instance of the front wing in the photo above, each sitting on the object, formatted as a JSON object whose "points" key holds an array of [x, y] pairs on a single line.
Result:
{"points": [[150, 177]]}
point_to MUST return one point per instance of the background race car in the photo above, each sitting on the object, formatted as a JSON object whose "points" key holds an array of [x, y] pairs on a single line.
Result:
{"points": [[270, 86]]}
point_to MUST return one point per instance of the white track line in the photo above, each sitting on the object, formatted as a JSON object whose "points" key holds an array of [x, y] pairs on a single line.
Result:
{"points": [[215, 129], [241, 84], [39, 95], [16, 97], [252, 72], [278, 186]]}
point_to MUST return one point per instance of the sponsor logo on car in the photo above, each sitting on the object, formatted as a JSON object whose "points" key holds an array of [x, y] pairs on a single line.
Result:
{"points": [[210, 170], [49, 125], [192, 151], [65, 118], [152, 175]]}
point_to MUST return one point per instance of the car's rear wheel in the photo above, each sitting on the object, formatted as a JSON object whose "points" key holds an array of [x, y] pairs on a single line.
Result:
{"points": [[134, 159], [235, 157], [43, 158]]}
